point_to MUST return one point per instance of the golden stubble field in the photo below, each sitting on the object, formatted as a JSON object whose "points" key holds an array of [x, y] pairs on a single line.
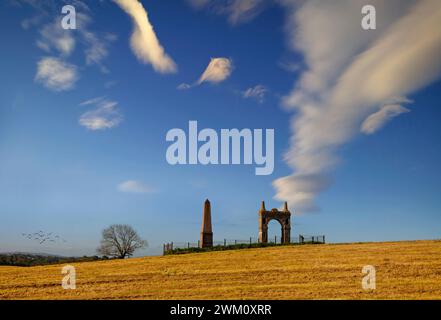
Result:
{"points": [[404, 270]]}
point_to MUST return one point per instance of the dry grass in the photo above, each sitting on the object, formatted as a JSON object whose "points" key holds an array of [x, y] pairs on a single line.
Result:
{"points": [[405, 270]]}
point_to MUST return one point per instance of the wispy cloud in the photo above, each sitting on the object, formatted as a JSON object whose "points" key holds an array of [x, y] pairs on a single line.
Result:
{"points": [[244, 10], [96, 46], [289, 66], [199, 3], [237, 11], [218, 70], [133, 186], [183, 86], [53, 37], [105, 115], [350, 74], [60, 43], [93, 101], [144, 42], [257, 92], [377, 120], [32, 21], [56, 74]]}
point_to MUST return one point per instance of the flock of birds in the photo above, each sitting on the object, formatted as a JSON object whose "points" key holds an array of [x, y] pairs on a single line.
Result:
{"points": [[42, 237]]}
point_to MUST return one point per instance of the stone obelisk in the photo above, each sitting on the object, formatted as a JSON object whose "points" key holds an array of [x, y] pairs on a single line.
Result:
{"points": [[206, 232]]}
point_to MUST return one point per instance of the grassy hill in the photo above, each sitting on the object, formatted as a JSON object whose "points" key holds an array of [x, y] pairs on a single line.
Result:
{"points": [[404, 270]]}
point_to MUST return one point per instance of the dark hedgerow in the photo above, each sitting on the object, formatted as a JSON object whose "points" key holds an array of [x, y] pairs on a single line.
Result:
{"points": [[232, 247]]}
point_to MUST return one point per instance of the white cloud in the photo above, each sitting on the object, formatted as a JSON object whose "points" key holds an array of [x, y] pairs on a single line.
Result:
{"points": [[183, 86], [28, 23], [350, 73], [144, 42], [199, 3], [96, 51], [105, 115], [110, 84], [379, 119], [53, 36], [133, 186], [96, 46], [93, 101], [289, 66], [55, 74], [244, 10], [257, 92], [237, 11], [217, 70], [301, 189]]}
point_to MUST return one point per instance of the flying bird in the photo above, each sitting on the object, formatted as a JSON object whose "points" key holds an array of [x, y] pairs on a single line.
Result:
{"points": [[42, 237]]}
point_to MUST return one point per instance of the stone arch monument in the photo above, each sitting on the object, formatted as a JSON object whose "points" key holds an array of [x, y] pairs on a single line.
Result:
{"points": [[283, 217]]}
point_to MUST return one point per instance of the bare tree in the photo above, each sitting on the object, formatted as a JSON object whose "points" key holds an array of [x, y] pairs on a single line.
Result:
{"points": [[120, 241]]}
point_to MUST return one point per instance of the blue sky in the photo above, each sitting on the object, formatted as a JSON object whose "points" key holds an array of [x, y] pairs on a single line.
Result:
{"points": [[63, 174]]}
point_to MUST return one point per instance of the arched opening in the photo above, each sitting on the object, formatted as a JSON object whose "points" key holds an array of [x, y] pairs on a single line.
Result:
{"points": [[274, 225], [274, 231]]}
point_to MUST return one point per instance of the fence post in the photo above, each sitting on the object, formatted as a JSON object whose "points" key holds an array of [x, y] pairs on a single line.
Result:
{"points": [[172, 245], [235, 241], [251, 240], [199, 243], [275, 239], [188, 245], [225, 242], [323, 239]]}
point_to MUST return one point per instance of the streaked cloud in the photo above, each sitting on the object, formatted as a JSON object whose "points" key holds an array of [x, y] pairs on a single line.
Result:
{"points": [[32, 21], [349, 75], [133, 186], [54, 37], [240, 11], [237, 11], [289, 66], [96, 46], [144, 41], [377, 120], [257, 92], [56, 74], [110, 84], [199, 3], [93, 101], [183, 86], [105, 114], [96, 51]]}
